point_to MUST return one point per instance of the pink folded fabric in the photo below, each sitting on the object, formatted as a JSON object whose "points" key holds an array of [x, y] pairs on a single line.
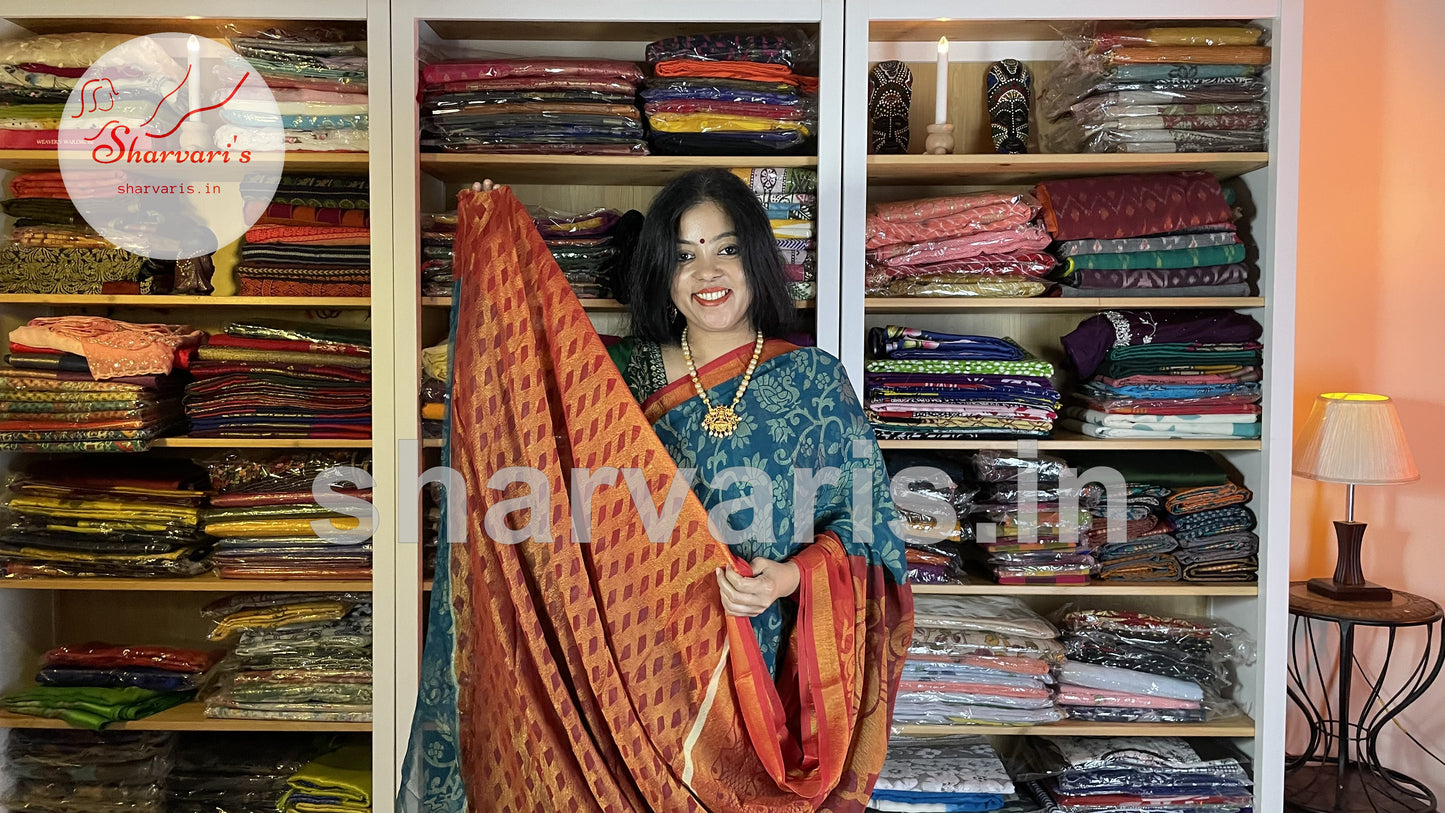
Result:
{"points": [[1026, 238], [992, 217], [992, 690], [913, 211], [1080, 696]]}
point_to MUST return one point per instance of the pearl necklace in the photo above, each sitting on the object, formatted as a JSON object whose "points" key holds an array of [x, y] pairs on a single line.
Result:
{"points": [[721, 420]]}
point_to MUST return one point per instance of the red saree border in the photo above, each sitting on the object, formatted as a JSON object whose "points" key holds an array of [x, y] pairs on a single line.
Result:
{"points": [[719, 371]]}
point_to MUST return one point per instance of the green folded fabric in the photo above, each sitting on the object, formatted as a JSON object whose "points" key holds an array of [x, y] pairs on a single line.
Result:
{"points": [[1171, 258], [89, 707], [343, 776], [1171, 469], [1025, 367]]}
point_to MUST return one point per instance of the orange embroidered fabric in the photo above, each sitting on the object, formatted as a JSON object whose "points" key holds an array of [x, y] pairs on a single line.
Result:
{"points": [[605, 676]]}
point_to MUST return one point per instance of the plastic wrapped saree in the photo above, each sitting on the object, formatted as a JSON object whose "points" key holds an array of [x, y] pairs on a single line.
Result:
{"points": [[605, 676]]}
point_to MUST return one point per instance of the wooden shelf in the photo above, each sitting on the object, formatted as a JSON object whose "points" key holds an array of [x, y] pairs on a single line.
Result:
{"points": [[584, 170], [958, 170], [208, 583], [987, 588], [621, 30], [943, 304], [972, 30], [186, 717], [258, 443], [432, 443], [165, 301], [329, 162], [1072, 440], [1230, 727]]}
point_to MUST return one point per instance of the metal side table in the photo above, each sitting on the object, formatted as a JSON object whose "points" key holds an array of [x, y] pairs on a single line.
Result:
{"points": [[1340, 771]]}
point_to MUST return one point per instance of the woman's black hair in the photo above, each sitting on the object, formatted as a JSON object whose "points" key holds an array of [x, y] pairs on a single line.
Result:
{"points": [[654, 261]]}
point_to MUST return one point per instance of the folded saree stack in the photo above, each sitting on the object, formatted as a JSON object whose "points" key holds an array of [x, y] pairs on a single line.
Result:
{"points": [[1166, 374], [313, 239], [934, 497], [337, 782], [319, 82], [1158, 774], [37, 75], [435, 368], [582, 245], [240, 772], [88, 383], [1145, 235], [59, 771], [790, 197], [94, 685], [104, 517], [926, 384], [53, 251], [438, 233], [1028, 533], [954, 773], [281, 379], [532, 106], [294, 656], [729, 94], [980, 244], [1131, 667], [1161, 90], [262, 512], [978, 660]]}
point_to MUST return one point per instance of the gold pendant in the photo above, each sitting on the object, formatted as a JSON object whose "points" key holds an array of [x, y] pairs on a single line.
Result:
{"points": [[720, 421]]}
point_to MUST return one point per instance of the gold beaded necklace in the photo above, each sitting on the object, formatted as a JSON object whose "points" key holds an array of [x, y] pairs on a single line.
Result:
{"points": [[721, 420]]}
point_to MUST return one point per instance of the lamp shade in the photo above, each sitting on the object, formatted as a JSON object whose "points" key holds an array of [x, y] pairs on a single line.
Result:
{"points": [[1354, 438]]}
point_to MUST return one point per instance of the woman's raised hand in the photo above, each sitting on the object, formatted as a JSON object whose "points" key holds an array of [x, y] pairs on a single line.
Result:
{"points": [[485, 185], [750, 596]]}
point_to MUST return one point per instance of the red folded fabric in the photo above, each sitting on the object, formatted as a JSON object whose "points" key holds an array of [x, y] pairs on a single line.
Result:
{"points": [[1118, 206], [473, 70], [112, 656], [310, 235], [749, 71]]}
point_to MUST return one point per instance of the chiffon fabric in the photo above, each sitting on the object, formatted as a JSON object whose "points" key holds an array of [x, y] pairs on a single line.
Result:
{"points": [[602, 721]]}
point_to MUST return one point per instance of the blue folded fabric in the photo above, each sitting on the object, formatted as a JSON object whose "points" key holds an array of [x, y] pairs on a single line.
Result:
{"points": [[945, 802], [896, 342]]}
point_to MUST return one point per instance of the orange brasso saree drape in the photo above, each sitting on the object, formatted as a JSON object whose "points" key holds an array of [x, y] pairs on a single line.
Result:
{"points": [[605, 676]]}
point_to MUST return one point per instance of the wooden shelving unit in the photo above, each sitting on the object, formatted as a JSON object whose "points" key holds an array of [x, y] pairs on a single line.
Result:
{"points": [[189, 717], [37, 614]]}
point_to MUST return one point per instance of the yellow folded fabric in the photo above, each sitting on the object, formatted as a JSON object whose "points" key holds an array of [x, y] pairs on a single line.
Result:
{"points": [[792, 229], [133, 514], [1202, 55], [267, 528], [1194, 35], [273, 617], [713, 122], [343, 775], [434, 361], [433, 412]]}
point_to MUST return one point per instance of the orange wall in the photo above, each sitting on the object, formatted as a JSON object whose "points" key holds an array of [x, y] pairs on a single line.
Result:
{"points": [[1371, 295]]}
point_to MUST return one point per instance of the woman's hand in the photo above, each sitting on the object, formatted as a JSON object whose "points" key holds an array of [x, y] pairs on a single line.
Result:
{"points": [[485, 185], [750, 596]]}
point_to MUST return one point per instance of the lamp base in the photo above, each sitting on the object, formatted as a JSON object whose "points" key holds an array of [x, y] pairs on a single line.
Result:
{"points": [[1349, 582], [1334, 591]]}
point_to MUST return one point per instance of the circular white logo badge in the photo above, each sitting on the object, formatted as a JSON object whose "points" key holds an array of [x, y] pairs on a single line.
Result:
{"points": [[171, 146]]}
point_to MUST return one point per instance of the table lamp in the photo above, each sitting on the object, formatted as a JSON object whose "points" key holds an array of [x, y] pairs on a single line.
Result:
{"points": [[1352, 438]]}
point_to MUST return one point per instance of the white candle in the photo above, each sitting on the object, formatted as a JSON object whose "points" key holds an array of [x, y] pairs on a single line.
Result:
{"points": [[940, 115], [193, 62]]}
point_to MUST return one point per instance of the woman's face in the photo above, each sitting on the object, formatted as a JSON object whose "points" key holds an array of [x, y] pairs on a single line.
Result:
{"points": [[709, 286]]}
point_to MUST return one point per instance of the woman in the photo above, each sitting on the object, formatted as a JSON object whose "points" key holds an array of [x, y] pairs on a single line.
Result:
{"points": [[651, 669], [708, 297]]}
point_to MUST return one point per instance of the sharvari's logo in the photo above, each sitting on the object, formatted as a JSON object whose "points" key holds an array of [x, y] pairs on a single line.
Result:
{"points": [[171, 146]]}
